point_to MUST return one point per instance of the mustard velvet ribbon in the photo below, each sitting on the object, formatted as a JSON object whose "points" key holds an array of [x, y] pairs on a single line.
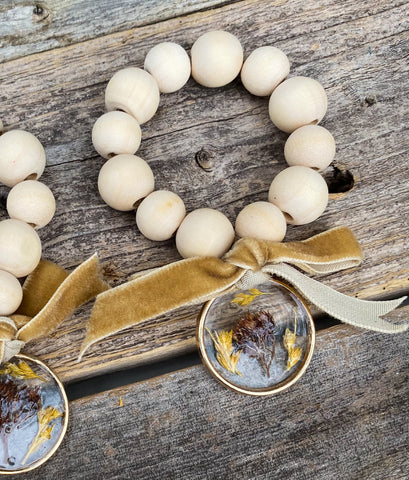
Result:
{"points": [[51, 294]]}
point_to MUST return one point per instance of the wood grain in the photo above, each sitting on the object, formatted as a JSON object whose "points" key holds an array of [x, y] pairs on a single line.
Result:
{"points": [[345, 419], [28, 27], [357, 50]]}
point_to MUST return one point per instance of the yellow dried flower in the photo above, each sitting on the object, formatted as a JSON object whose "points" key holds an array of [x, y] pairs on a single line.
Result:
{"points": [[289, 339], [226, 354], [245, 299], [22, 370], [44, 429], [294, 356]]}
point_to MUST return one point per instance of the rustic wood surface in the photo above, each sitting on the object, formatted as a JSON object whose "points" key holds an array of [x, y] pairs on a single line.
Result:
{"points": [[28, 27], [345, 419], [358, 51]]}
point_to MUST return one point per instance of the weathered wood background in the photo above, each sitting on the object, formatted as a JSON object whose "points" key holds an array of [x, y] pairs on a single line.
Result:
{"points": [[357, 50], [56, 58], [345, 419]]}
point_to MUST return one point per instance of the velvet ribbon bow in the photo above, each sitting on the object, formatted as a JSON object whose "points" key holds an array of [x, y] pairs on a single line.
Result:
{"points": [[51, 294]]}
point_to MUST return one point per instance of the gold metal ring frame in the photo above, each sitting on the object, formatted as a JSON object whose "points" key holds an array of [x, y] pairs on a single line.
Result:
{"points": [[64, 425], [283, 385]]}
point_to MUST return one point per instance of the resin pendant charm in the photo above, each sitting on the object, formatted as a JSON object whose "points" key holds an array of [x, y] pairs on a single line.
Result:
{"points": [[258, 341], [33, 414]]}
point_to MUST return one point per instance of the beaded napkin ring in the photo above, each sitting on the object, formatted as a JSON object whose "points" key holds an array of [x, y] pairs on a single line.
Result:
{"points": [[33, 404], [257, 341], [297, 195]]}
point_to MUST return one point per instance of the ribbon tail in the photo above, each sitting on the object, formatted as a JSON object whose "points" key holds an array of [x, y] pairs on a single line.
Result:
{"points": [[78, 287], [187, 282], [357, 312]]}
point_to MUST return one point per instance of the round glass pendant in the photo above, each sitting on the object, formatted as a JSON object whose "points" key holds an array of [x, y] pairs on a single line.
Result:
{"points": [[33, 414], [258, 341]]}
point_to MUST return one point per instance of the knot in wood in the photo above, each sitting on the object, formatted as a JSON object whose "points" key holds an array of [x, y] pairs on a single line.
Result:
{"points": [[205, 158], [38, 10], [339, 181], [370, 100], [40, 13]]}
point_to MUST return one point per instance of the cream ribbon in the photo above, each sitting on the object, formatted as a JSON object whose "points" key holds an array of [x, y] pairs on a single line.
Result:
{"points": [[9, 346], [360, 313]]}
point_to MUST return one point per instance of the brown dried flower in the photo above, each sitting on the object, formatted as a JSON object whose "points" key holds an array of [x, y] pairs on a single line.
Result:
{"points": [[254, 335], [18, 403]]}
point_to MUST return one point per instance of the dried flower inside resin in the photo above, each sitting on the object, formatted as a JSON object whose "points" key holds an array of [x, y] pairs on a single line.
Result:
{"points": [[22, 371], [45, 417], [244, 299], [18, 403], [226, 354], [254, 335], [289, 339]]}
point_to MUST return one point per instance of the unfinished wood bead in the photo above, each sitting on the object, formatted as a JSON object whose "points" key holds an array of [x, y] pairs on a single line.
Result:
{"points": [[204, 232], [261, 220], [310, 146], [160, 214], [300, 193], [169, 64], [133, 91], [217, 58], [31, 202], [11, 293], [296, 102], [20, 248], [22, 157], [123, 180], [115, 133], [264, 69]]}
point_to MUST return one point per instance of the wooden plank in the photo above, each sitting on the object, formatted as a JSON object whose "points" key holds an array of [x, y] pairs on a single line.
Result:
{"points": [[346, 418], [27, 28], [356, 50]]}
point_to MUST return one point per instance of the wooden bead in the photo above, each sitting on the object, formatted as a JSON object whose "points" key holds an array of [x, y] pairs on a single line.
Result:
{"points": [[115, 133], [296, 102], [261, 220], [31, 202], [133, 91], [264, 69], [22, 157], [123, 180], [300, 193], [204, 232], [160, 214], [11, 293], [169, 64], [310, 146], [20, 248], [217, 58]]}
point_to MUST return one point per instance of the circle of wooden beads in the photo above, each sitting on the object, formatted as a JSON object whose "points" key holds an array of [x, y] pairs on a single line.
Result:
{"points": [[297, 195], [30, 206]]}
